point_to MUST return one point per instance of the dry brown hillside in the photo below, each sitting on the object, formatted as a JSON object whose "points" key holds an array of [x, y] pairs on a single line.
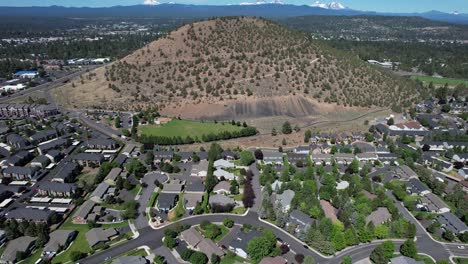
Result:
{"points": [[243, 67]]}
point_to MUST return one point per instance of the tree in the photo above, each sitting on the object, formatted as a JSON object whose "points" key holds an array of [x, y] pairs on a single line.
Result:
{"points": [[246, 158], [383, 253], [228, 222], [234, 188], [159, 259], [258, 154], [347, 260], [409, 249], [381, 231], [77, 255], [117, 122], [170, 242], [261, 246], [273, 132], [307, 136], [198, 258], [390, 121], [286, 128], [135, 167], [448, 235], [215, 259]]}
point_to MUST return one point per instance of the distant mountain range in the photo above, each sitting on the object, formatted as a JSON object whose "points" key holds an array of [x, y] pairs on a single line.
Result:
{"points": [[260, 8]]}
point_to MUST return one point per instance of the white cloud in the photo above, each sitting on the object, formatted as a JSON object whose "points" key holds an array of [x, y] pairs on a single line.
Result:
{"points": [[151, 2]]}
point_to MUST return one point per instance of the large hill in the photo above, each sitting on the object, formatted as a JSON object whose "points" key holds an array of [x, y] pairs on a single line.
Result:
{"points": [[238, 67]]}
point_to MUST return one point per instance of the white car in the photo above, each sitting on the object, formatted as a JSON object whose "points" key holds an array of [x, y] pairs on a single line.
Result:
{"points": [[461, 247]]}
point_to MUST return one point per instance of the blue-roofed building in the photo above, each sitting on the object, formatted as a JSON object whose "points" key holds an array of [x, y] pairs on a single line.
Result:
{"points": [[26, 74]]}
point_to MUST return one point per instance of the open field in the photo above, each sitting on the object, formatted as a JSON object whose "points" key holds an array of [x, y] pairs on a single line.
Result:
{"points": [[184, 128], [440, 81]]}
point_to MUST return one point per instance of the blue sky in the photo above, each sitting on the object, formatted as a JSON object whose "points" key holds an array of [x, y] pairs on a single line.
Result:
{"points": [[369, 5]]}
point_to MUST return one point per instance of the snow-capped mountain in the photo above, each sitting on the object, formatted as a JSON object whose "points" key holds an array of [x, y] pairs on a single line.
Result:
{"points": [[332, 5], [278, 2], [151, 2]]}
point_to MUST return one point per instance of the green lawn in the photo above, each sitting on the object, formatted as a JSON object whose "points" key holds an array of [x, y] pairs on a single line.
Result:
{"points": [[231, 258], [152, 200], [224, 232], [135, 189], [440, 81], [33, 258], [239, 210], [184, 128], [461, 260], [86, 177], [80, 243]]}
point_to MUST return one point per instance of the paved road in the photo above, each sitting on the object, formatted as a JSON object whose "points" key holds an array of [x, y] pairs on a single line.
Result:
{"points": [[424, 241], [141, 221], [93, 124], [256, 187]]}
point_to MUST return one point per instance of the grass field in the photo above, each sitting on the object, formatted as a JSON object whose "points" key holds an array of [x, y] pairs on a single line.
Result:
{"points": [[440, 81], [184, 128]]}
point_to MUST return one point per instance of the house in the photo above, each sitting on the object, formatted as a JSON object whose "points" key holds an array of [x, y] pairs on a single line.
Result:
{"points": [[17, 141], [185, 156], [404, 260], [222, 200], [416, 187], [194, 185], [162, 156], [20, 244], [59, 239], [229, 155], [320, 158], [197, 242], [54, 155], [432, 203], [329, 210], [283, 200], [220, 174], [58, 143], [29, 214], [81, 215], [343, 158], [43, 136], [130, 259], [88, 159], [451, 222], [404, 173], [26, 74], [276, 185], [20, 173], [301, 220], [273, 260], [240, 240], [66, 172], [223, 164], [387, 158], [367, 156], [173, 186], [273, 158], [295, 158], [200, 169], [98, 195], [463, 172], [102, 144], [40, 161], [112, 176], [167, 201], [342, 185], [56, 189], [223, 187], [191, 200], [98, 236], [302, 150], [379, 216], [18, 159]]}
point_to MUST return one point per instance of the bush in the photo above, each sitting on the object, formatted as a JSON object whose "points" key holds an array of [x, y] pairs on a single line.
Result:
{"points": [[228, 222], [77, 255]]}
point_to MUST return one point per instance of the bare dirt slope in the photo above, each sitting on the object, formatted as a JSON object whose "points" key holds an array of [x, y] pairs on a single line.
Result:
{"points": [[237, 67]]}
